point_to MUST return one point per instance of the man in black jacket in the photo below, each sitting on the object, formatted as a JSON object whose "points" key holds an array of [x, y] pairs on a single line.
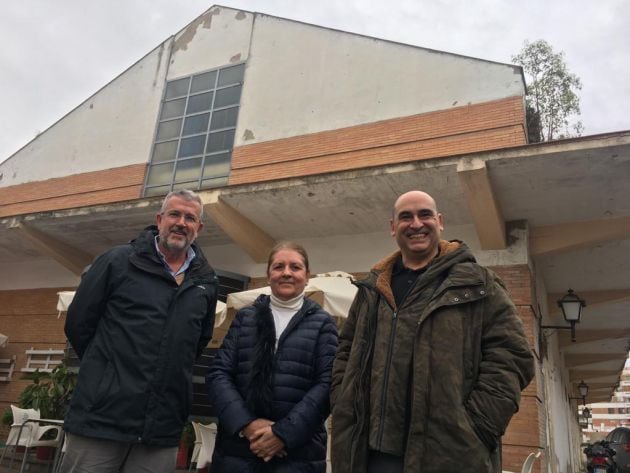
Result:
{"points": [[141, 315]]}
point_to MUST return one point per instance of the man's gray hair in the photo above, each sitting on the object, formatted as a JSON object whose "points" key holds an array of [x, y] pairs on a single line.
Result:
{"points": [[186, 195]]}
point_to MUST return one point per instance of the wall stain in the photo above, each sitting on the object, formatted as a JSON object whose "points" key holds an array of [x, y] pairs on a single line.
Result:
{"points": [[240, 15], [236, 58], [248, 135], [205, 21]]}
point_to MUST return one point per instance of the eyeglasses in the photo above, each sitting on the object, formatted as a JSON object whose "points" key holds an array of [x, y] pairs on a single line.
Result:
{"points": [[177, 215]]}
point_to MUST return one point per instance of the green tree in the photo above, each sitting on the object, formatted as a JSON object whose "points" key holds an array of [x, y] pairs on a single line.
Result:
{"points": [[552, 99]]}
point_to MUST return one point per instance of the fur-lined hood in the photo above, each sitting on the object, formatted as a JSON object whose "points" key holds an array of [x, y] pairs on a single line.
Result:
{"points": [[382, 271]]}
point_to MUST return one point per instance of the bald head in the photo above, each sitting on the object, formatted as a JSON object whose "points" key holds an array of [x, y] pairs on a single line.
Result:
{"points": [[412, 195], [416, 225]]}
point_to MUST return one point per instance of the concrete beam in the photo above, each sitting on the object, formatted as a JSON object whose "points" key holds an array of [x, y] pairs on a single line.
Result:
{"points": [[478, 192], [596, 386], [592, 298], [588, 335], [580, 359], [245, 233], [575, 235], [71, 258], [577, 375]]}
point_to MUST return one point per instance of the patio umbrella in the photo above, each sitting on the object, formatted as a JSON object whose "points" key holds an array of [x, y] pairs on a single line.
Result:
{"points": [[334, 291], [65, 298]]}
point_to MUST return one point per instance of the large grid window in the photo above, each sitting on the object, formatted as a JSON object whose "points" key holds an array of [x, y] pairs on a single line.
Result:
{"points": [[195, 132]]}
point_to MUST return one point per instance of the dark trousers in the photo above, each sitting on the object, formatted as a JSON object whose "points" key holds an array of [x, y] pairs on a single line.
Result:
{"points": [[379, 462]]}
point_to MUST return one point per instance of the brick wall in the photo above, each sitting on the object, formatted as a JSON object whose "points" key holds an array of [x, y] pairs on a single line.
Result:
{"points": [[77, 190], [526, 431], [460, 130], [29, 318]]}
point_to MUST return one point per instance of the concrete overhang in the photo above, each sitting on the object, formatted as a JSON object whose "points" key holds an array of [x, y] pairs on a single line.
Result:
{"points": [[572, 194]]}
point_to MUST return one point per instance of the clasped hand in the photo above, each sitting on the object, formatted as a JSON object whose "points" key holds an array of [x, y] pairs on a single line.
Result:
{"points": [[262, 441]]}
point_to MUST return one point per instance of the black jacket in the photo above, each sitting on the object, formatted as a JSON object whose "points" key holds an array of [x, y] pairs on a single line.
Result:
{"points": [[138, 333], [290, 386]]}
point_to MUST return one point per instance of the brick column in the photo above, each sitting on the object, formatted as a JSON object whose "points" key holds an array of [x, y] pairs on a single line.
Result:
{"points": [[526, 432]]}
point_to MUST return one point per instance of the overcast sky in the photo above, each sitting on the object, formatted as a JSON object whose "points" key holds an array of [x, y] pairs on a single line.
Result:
{"points": [[56, 53]]}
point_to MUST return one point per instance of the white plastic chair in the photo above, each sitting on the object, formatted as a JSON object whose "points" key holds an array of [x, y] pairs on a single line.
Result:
{"points": [[208, 435], [26, 432], [528, 464], [195, 453]]}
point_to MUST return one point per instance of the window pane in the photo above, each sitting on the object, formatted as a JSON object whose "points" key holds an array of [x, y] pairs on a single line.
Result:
{"points": [[160, 174], [231, 75], [229, 96], [203, 82], [192, 185], [191, 146], [174, 108], [161, 190], [168, 130], [219, 141], [188, 169], [224, 118], [164, 151], [199, 103], [219, 181], [177, 88], [196, 124], [217, 165]]}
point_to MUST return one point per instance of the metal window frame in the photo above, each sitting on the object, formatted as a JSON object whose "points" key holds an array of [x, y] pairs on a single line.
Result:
{"points": [[199, 181]]}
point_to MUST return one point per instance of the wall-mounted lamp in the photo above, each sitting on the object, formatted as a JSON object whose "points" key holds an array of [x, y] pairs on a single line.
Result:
{"points": [[571, 306], [583, 389], [584, 417]]}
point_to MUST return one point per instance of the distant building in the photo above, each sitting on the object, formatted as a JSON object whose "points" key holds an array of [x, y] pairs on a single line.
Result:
{"points": [[605, 416]]}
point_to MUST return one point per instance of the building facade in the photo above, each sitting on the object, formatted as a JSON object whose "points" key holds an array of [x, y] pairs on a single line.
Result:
{"points": [[294, 131]]}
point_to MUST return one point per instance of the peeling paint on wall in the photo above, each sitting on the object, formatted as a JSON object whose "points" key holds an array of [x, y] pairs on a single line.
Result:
{"points": [[159, 64], [205, 21], [248, 135], [236, 58]]}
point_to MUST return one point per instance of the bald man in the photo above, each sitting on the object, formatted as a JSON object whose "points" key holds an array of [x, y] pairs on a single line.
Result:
{"points": [[432, 358]]}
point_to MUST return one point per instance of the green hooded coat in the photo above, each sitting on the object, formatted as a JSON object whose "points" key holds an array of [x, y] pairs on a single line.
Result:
{"points": [[469, 362]]}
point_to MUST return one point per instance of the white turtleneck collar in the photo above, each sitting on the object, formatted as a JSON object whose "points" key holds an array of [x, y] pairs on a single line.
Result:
{"points": [[292, 304], [283, 312]]}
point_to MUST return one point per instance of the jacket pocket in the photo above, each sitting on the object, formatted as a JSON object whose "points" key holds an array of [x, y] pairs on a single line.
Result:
{"points": [[101, 395], [487, 439]]}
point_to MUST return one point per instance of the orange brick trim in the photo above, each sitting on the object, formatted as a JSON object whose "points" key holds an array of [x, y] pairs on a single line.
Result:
{"points": [[459, 130], [77, 190]]}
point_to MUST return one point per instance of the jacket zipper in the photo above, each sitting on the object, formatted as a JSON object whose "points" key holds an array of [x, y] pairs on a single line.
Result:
{"points": [[390, 352]]}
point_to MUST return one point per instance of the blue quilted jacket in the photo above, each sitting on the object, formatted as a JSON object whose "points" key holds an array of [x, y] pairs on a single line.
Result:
{"points": [[289, 385]]}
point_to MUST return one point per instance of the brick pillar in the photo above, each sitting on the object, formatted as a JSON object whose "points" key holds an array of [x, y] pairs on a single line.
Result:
{"points": [[526, 432]]}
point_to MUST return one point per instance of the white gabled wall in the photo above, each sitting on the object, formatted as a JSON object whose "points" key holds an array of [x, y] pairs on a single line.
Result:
{"points": [[303, 79], [299, 79], [219, 37]]}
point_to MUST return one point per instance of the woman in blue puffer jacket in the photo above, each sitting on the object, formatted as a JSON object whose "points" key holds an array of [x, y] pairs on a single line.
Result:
{"points": [[270, 381]]}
